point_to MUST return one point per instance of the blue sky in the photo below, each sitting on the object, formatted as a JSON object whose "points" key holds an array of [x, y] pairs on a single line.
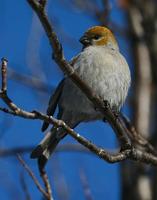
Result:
{"points": [[24, 44]]}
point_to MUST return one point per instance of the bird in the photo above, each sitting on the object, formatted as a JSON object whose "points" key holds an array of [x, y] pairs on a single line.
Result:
{"points": [[103, 68]]}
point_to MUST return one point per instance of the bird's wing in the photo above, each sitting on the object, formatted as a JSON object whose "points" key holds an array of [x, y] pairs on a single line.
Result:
{"points": [[53, 103], [55, 96]]}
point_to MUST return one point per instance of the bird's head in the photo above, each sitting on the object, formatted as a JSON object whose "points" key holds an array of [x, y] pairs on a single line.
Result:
{"points": [[98, 36]]}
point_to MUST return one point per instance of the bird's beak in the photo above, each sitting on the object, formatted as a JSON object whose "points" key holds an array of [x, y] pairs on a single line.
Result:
{"points": [[85, 40]]}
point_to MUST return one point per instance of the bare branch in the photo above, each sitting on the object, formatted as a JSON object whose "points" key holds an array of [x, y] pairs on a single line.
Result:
{"points": [[4, 74], [59, 123], [132, 153], [46, 182], [31, 174]]}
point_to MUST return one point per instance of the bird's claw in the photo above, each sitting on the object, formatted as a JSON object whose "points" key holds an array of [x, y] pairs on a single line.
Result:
{"points": [[106, 104]]}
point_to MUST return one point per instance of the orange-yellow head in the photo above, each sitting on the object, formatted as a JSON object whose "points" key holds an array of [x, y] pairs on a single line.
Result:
{"points": [[98, 36]]}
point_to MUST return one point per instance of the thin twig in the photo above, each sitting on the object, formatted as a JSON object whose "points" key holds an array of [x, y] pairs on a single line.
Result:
{"points": [[132, 153], [59, 123], [4, 74], [29, 171], [45, 179]]}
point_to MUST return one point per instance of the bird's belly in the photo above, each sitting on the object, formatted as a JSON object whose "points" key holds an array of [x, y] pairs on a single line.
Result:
{"points": [[106, 72], [108, 83], [107, 87]]}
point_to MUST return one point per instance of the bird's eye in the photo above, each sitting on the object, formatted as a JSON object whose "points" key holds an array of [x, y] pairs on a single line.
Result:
{"points": [[96, 37]]}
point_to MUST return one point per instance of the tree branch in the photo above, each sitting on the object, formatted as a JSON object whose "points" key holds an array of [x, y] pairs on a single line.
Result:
{"points": [[46, 182], [4, 74], [31, 174]]}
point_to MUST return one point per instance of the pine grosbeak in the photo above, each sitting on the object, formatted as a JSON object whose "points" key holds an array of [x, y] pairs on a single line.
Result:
{"points": [[104, 69]]}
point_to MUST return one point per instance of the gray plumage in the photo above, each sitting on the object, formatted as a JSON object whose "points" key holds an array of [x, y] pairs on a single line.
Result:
{"points": [[105, 70]]}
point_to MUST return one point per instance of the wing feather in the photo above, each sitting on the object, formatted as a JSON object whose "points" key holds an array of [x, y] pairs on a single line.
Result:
{"points": [[53, 103]]}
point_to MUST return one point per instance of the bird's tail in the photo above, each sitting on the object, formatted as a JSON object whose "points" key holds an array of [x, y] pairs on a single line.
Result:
{"points": [[47, 146]]}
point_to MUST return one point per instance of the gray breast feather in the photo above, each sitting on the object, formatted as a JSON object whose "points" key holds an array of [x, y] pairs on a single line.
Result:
{"points": [[106, 72]]}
